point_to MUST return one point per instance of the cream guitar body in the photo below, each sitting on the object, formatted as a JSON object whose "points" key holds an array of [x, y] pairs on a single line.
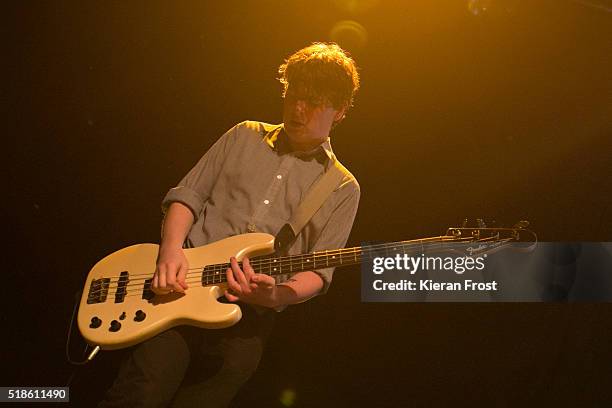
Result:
{"points": [[115, 314]]}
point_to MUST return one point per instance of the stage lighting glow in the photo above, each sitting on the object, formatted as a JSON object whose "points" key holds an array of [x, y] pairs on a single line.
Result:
{"points": [[478, 7], [287, 397], [356, 6], [349, 34]]}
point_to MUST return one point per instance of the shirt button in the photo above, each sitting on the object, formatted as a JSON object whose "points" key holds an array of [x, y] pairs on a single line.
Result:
{"points": [[279, 177], [266, 201], [251, 228]]}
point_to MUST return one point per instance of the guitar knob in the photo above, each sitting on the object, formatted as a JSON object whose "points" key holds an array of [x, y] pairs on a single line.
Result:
{"points": [[140, 316], [95, 322], [115, 326]]}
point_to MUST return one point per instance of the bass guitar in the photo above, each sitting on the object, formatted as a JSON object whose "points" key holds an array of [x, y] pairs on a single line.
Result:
{"points": [[118, 308]]}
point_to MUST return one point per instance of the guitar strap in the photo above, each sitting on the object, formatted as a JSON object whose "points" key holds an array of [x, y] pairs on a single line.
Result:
{"points": [[315, 198]]}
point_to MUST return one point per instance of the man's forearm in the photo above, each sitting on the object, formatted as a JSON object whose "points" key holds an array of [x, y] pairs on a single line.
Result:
{"points": [[300, 287], [177, 223]]}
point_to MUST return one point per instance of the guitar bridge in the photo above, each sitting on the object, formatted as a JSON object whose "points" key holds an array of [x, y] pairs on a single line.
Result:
{"points": [[98, 290]]}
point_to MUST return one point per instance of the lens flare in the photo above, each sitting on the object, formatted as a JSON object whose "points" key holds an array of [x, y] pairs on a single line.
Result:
{"points": [[349, 34]]}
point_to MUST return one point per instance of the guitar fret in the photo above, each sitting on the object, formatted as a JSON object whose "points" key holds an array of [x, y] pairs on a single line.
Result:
{"points": [[273, 266]]}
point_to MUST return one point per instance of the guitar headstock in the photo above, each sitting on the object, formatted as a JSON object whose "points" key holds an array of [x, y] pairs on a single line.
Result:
{"points": [[489, 239]]}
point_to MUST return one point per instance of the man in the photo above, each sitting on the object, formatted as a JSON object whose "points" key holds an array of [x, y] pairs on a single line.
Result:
{"points": [[252, 179]]}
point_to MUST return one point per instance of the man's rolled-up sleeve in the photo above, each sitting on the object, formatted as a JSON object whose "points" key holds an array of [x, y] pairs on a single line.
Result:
{"points": [[186, 196], [195, 188]]}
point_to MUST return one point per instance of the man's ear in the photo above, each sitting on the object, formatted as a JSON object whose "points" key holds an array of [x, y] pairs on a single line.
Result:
{"points": [[340, 114]]}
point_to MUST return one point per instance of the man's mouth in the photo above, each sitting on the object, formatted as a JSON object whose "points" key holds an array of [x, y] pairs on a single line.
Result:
{"points": [[296, 123]]}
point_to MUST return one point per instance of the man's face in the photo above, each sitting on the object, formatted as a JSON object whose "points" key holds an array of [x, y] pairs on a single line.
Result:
{"points": [[307, 120]]}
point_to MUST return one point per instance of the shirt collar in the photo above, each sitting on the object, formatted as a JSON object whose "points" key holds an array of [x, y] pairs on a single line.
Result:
{"points": [[277, 140]]}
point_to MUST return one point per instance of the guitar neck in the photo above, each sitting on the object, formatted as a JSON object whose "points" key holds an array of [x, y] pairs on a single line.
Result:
{"points": [[215, 274]]}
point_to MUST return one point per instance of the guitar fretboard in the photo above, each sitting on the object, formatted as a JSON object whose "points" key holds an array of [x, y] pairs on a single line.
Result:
{"points": [[215, 274]]}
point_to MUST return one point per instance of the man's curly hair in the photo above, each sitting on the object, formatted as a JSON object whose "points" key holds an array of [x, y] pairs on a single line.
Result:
{"points": [[324, 71]]}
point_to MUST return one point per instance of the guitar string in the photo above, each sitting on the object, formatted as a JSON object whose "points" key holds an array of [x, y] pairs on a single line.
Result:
{"points": [[134, 292], [319, 254], [444, 238], [261, 263], [218, 270], [219, 278]]}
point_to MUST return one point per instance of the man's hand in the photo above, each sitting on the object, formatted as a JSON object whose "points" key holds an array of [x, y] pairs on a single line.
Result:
{"points": [[172, 267], [247, 286]]}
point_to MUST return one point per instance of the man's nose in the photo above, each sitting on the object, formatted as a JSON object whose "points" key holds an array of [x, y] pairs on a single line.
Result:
{"points": [[301, 105]]}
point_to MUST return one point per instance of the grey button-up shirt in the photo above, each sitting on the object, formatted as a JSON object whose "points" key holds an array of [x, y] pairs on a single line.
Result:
{"points": [[249, 181]]}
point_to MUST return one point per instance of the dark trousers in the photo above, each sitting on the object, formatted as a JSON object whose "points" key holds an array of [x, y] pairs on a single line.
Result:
{"points": [[192, 367]]}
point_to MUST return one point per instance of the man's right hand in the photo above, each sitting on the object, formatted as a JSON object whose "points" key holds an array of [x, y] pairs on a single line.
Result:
{"points": [[172, 265], [171, 270]]}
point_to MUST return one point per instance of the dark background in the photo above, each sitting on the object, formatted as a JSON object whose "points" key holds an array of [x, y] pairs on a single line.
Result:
{"points": [[501, 113]]}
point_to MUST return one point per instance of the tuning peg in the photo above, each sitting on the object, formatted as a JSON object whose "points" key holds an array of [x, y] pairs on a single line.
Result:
{"points": [[521, 225], [480, 222]]}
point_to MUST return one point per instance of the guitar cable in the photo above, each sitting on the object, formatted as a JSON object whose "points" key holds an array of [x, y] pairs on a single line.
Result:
{"points": [[95, 350], [91, 355]]}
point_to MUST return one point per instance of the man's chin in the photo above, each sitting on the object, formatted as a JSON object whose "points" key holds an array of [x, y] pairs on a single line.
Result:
{"points": [[295, 127]]}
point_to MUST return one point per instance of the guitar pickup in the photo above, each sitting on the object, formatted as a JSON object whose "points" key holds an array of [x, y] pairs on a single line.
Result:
{"points": [[98, 290], [124, 278], [147, 293]]}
